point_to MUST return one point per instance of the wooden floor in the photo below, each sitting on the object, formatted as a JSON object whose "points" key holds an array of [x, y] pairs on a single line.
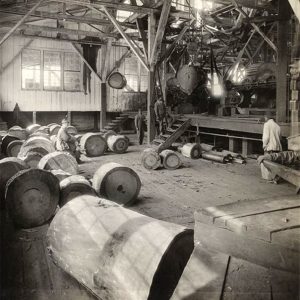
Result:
{"points": [[173, 196]]}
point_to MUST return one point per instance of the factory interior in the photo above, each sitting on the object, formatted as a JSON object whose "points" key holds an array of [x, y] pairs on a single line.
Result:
{"points": [[150, 149]]}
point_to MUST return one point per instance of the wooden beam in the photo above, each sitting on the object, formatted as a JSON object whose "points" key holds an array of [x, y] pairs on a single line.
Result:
{"points": [[238, 8], [103, 103], [171, 47], [105, 59], [160, 31], [69, 40], [143, 37], [151, 130], [119, 6], [23, 19], [128, 40], [64, 17], [288, 174], [66, 31], [142, 33], [240, 55], [282, 63], [119, 62], [262, 42], [86, 62]]}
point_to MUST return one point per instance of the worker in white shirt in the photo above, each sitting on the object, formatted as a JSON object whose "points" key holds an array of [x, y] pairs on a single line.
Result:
{"points": [[271, 135], [271, 144]]}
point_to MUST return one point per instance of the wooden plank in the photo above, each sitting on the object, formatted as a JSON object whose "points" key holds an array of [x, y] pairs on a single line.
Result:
{"points": [[23, 19], [288, 174], [66, 31], [160, 31], [203, 276], [254, 250]]}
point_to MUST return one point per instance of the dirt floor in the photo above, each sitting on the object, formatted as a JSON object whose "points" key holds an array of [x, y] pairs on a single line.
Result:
{"points": [[173, 196]]}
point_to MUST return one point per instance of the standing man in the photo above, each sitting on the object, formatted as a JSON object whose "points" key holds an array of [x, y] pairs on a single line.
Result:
{"points": [[160, 113], [271, 144], [139, 122], [271, 135]]}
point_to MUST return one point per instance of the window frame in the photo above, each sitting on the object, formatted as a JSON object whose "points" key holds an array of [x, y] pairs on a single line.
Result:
{"points": [[41, 70], [62, 71], [139, 75]]}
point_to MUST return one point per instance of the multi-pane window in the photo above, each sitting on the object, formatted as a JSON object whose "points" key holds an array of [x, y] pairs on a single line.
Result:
{"points": [[136, 75], [51, 70], [72, 73], [31, 69]]}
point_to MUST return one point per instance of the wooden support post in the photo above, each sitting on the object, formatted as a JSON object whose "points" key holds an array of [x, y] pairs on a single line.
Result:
{"points": [[103, 105], [23, 19], [106, 51], [151, 83], [69, 116], [155, 50], [247, 148], [282, 61], [34, 117], [232, 144]]}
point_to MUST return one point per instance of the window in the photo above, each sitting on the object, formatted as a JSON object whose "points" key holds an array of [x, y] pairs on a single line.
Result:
{"points": [[59, 70], [72, 73], [52, 70], [136, 75], [31, 69]]}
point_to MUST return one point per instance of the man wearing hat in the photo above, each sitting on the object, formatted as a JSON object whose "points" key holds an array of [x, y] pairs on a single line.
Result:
{"points": [[67, 142]]}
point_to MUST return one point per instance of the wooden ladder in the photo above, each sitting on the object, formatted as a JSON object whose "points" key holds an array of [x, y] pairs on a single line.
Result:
{"points": [[172, 134]]}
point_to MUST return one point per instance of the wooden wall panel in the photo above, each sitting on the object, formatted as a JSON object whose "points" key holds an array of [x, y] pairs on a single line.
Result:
{"points": [[39, 100]]}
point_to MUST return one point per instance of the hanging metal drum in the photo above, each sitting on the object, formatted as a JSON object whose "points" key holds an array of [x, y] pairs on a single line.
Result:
{"points": [[189, 77], [116, 80]]}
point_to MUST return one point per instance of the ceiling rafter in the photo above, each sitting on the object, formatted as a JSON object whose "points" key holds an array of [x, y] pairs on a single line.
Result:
{"points": [[65, 17]]}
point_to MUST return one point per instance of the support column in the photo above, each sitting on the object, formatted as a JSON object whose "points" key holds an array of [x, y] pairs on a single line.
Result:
{"points": [[151, 83], [282, 61], [103, 102], [69, 116], [34, 117]]}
